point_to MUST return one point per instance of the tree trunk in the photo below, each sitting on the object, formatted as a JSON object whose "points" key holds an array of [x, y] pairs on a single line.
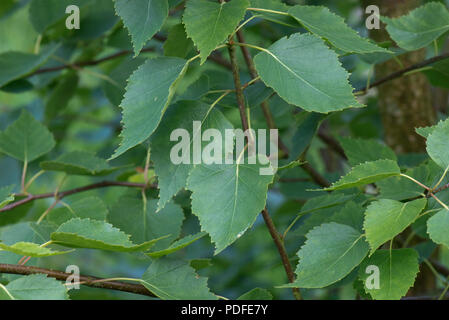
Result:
{"points": [[405, 103]]}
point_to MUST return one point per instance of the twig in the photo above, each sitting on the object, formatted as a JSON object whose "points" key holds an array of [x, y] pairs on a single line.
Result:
{"points": [[66, 193], [401, 72], [282, 252], [85, 280]]}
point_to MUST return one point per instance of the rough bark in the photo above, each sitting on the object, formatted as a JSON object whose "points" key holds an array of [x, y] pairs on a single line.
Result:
{"points": [[405, 103]]}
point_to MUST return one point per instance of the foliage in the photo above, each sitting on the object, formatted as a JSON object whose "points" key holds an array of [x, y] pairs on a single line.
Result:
{"points": [[86, 125]]}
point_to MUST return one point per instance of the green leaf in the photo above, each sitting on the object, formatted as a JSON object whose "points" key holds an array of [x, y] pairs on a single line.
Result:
{"points": [[177, 245], [6, 195], [330, 253], [322, 22], [79, 163], [323, 202], [148, 93], [61, 95], [177, 43], [365, 150], [438, 226], [274, 5], [237, 189], [31, 249], [115, 90], [306, 73], [351, 214], [366, 173], [26, 139], [37, 287], [397, 270], [385, 219], [209, 23], [147, 225], [143, 18], [93, 234], [256, 294], [89, 207], [398, 188], [181, 116], [438, 74], [437, 144], [15, 65], [419, 27], [175, 280]]}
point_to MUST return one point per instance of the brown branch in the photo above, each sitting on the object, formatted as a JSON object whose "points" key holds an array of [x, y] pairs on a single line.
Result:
{"points": [[214, 57], [269, 223], [264, 105], [82, 64], [84, 280], [238, 87], [282, 252], [401, 72], [332, 143], [66, 193]]}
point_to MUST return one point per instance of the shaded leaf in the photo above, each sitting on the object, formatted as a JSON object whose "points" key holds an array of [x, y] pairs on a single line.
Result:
{"points": [[365, 150], [147, 225], [26, 139], [256, 294], [175, 280], [177, 245], [79, 163]]}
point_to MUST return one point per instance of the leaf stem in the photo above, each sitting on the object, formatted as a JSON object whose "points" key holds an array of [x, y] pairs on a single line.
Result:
{"points": [[269, 11]]}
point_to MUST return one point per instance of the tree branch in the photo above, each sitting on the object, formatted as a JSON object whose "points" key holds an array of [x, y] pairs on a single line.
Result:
{"points": [[282, 252], [66, 193], [84, 280]]}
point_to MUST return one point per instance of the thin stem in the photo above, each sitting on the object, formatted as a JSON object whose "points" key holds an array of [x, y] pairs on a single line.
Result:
{"points": [[441, 179], [439, 201], [30, 182], [238, 87], [403, 71], [66, 193], [24, 174], [86, 280], [269, 11], [415, 181], [282, 252]]}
